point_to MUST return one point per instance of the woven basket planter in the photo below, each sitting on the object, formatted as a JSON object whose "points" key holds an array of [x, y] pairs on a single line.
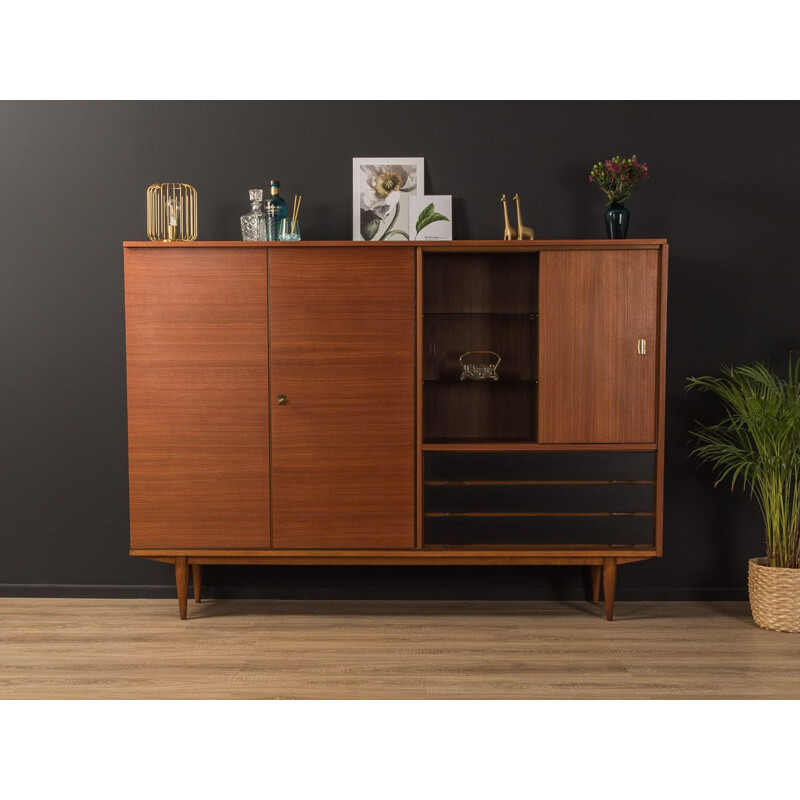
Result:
{"points": [[774, 596]]}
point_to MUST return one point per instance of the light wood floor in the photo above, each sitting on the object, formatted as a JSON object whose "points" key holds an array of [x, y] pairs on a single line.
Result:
{"points": [[228, 649]]}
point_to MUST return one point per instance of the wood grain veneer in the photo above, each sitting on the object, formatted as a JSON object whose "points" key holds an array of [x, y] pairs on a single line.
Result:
{"points": [[594, 387], [457, 245], [499, 554], [198, 416], [342, 352], [182, 583], [661, 399], [609, 585]]}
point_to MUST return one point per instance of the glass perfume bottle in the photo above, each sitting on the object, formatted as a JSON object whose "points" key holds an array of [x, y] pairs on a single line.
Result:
{"points": [[254, 224], [275, 209]]}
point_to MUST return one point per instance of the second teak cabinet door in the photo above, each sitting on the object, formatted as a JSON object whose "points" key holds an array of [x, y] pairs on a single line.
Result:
{"points": [[598, 348], [342, 364]]}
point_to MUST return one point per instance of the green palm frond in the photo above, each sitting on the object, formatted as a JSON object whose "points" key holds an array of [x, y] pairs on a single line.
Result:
{"points": [[756, 445]]}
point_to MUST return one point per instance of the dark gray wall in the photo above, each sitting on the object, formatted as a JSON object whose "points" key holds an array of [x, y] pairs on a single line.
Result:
{"points": [[724, 191]]}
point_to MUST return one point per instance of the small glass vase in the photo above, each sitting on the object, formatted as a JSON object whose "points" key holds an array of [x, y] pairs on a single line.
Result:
{"points": [[289, 231], [617, 217]]}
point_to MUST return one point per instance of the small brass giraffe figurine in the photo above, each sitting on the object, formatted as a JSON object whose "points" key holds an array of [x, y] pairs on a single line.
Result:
{"points": [[524, 231], [509, 232]]}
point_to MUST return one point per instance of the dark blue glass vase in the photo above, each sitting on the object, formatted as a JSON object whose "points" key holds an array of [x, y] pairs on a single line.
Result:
{"points": [[617, 217]]}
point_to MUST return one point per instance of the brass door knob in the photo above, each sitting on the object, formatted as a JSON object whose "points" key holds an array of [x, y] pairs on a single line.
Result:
{"points": [[282, 401]]}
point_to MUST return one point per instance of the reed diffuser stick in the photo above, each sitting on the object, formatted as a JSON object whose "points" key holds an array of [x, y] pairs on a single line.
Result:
{"points": [[297, 200]]}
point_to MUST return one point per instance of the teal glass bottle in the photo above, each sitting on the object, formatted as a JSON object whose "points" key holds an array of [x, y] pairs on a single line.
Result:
{"points": [[275, 209]]}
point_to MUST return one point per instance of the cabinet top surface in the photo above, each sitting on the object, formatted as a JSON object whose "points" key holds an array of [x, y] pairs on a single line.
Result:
{"points": [[457, 244]]}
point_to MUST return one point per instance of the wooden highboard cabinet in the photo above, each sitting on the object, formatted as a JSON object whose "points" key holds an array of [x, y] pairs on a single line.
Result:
{"points": [[303, 403]]}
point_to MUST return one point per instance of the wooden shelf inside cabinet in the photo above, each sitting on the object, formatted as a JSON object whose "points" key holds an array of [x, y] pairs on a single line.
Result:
{"points": [[497, 282], [447, 338], [457, 411], [527, 314], [462, 443], [498, 383]]}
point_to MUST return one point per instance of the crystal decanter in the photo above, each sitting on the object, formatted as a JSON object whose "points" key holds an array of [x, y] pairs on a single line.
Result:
{"points": [[254, 224]]}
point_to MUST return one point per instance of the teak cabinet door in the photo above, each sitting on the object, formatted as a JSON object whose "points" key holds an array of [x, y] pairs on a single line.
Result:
{"points": [[342, 356], [198, 414], [598, 347]]}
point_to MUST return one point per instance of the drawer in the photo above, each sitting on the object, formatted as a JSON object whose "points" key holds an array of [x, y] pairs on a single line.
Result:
{"points": [[539, 498], [488, 531], [542, 466]]}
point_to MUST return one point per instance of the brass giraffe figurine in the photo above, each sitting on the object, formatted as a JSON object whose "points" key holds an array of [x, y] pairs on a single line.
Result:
{"points": [[509, 232], [524, 231]]}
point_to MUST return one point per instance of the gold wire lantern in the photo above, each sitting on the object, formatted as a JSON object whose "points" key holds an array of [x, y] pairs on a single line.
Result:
{"points": [[171, 212]]}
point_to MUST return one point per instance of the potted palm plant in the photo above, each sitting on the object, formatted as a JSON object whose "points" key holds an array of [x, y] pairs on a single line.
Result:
{"points": [[756, 445]]}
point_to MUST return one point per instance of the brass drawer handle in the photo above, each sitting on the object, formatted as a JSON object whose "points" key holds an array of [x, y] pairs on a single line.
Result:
{"points": [[282, 401], [641, 347]]}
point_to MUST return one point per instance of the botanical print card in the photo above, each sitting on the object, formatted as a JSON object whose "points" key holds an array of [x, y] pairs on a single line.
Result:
{"points": [[382, 188], [431, 217]]}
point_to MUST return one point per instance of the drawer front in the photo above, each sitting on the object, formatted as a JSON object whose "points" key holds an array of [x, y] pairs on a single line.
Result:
{"points": [[542, 466], [539, 498], [488, 531]]}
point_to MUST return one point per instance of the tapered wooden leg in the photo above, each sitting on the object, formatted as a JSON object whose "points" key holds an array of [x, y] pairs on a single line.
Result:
{"points": [[609, 584], [197, 581], [182, 582], [596, 572]]}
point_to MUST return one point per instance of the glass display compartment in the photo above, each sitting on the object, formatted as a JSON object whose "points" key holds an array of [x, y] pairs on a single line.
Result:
{"points": [[487, 304]]}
